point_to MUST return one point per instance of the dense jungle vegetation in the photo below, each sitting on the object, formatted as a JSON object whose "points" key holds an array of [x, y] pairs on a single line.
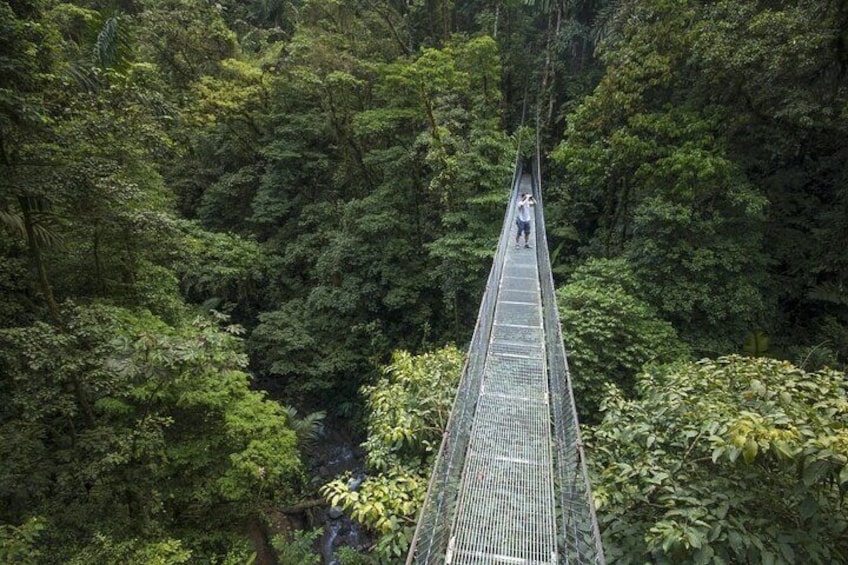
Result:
{"points": [[225, 221]]}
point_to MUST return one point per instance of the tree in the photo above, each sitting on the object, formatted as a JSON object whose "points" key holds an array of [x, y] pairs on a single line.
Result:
{"points": [[728, 460], [650, 179], [399, 236], [126, 427], [27, 48], [610, 333], [452, 93], [719, 130], [184, 39], [779, 71], [77, 173]]}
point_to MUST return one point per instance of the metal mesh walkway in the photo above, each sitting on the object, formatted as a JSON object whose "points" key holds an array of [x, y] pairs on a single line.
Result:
{"points": [[509, 485], [506, 512]]}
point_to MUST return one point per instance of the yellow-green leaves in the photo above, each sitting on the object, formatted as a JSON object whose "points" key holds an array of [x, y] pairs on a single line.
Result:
{"points": [[728, 459], [407, 412], [408, 407], [752, 433], [236, 95]]}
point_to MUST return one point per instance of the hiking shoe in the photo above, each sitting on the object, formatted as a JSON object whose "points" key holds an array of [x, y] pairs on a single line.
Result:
{"points": [[517, 246], [527, 245]]}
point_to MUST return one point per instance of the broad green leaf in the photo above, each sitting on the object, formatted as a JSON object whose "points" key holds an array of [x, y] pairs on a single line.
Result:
{"points": [[749, 451]]}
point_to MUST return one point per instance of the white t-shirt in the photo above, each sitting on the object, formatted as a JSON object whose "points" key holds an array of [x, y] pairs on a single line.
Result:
{"points": [[524, 211]]}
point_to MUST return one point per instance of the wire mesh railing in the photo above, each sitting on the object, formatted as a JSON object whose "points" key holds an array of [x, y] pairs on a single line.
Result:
{"points": [[432, 535], [506, 511], [446, 520], [580, 539]]}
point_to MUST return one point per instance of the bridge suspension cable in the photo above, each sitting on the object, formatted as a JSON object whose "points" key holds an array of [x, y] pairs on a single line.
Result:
{"points": [[509, 484]]}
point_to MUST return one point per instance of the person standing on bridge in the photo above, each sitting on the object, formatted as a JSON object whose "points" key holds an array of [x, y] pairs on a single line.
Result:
{"points": [[523, 219]]}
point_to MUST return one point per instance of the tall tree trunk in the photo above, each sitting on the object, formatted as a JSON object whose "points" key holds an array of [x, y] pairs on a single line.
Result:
{"points": [[552, 96], [446, 19], [431, 116], [546, 69], [386, 15], [98, 261], [26, 203]]}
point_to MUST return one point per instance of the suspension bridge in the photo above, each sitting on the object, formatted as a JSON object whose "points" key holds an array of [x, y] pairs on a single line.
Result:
{"points": [[509, 485]]}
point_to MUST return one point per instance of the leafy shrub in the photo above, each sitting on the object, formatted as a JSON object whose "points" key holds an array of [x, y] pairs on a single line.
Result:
{"points": [[297, 548], [105, 549], [407, 413], [734, 460], [349, 556], [18, 543]]}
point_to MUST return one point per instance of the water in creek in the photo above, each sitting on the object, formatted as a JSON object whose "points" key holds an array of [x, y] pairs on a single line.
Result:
{"points": [[338, 453]]}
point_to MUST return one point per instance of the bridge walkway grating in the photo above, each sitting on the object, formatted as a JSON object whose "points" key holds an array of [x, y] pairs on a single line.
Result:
{"points": [[506, 503], [509, 484]]}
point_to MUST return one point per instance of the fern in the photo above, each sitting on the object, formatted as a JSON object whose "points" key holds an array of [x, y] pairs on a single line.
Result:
{"points": [[105, 50], [605, 23], [831, 292], [308, 429]]}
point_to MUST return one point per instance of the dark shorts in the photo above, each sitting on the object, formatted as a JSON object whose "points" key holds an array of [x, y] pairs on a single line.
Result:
{"points": [[523, 227]]}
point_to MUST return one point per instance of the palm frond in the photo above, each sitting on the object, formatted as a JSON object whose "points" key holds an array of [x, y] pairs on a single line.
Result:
{"points": [[43, 227], [105, 48], [108, 50], [13, 223], [542, 6], [605, 22], [831, 292], [82, 74], [309, 428]]}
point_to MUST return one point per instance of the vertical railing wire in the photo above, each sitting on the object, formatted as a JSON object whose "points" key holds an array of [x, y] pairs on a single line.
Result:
{"points": [[580, 540], [430, 541]]}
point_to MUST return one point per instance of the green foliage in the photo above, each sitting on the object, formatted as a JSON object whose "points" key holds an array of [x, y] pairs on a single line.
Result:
{"points": [[159, 552], [408, 408], [664, 196], [349, 556], [296, 549], [186, 40], [407, 414], [156, 288], [452, 91], [610, 333], [128, 427], [303, 350], [19, 544], [707, 156], [709, 281], [756, 344], [308, 429], [736, 459], [352, 159], [216, 265], [387, 503], [15, 304], [78, 178], [793, 118], [393, 241]]}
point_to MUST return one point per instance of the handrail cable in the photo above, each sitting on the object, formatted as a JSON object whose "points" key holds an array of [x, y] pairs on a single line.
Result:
{"points": [[510, 484]]}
